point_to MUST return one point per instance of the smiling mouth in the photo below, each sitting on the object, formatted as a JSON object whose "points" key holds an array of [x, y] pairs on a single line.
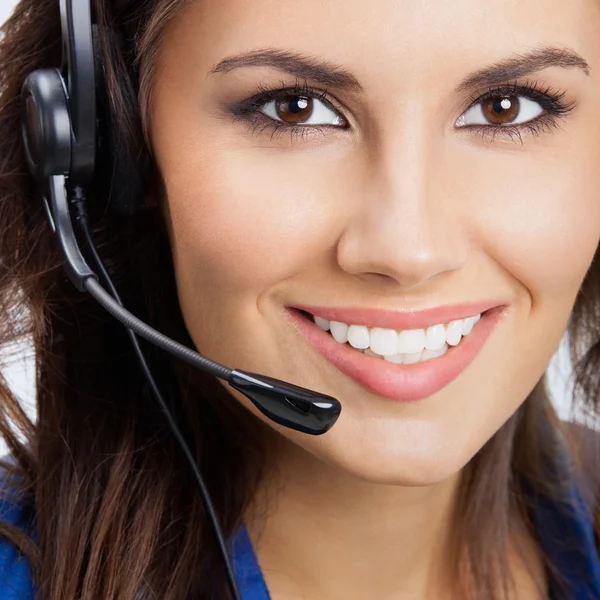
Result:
{"points": [[399, 346], [410, 379]]}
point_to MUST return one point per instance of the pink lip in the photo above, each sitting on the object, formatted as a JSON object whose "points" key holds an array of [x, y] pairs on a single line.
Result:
{"points": [[404, 383], [399, 320]]}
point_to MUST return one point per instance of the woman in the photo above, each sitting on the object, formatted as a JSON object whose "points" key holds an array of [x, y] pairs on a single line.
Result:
{"points": [[394, 203]]}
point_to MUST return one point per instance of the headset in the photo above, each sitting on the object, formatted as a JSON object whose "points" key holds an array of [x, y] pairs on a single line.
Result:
{"points": [[62, 129]]}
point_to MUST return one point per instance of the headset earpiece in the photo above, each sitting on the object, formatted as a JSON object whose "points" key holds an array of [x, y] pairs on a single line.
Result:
{"points": [[68, 123], [62, 139], [45, 124], [59, 105]]}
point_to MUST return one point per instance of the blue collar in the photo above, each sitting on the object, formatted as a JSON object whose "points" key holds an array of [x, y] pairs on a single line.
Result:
{"points": [[247, 571], [565, 530]]}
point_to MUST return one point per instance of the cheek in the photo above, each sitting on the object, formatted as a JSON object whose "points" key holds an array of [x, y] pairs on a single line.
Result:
{"points": [[242, 223], [541, 225]]}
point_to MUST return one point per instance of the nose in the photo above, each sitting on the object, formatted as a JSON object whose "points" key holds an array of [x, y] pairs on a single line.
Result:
{"points": [[407, 228]]}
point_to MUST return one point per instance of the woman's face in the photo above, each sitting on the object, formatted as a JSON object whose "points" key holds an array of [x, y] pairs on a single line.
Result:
{"points": [[401, 188]]}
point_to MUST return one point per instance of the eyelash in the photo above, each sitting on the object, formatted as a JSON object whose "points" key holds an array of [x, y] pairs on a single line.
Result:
{"points": [[550, 100]]}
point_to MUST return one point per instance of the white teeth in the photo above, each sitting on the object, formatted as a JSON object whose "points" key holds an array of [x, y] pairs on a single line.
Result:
{"points": [[322, 323], [411, 358], [468, 324], [383, 341], [407, 359], [427, 354], [401, 347], [435, 337], [411, 341], [339, 331], [358, 336], [454, 332], [395, 358]]}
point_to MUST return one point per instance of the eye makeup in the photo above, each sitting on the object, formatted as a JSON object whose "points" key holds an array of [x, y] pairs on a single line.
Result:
{"points": [[551, 101], [250, 110]]}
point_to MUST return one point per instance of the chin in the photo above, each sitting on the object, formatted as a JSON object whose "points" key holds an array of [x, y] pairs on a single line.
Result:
{"points": [[408, 470], [398, 460]]}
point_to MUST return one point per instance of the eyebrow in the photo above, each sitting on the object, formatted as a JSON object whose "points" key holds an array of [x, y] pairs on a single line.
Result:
{"points": [[334, 75], [300, 65], [519, 65]]}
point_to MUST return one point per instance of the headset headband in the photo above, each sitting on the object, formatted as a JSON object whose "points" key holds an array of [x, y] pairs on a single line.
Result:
{"points": [[59, 106], [68, 124], [48, 137], [78, 72], [58, 123]]}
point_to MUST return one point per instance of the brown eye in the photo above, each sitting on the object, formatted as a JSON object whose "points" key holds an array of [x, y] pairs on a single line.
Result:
{"points": [[294, 109], [501, 110], [301, 110]]}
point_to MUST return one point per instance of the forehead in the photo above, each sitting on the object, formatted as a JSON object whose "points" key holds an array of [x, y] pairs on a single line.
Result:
{"points": [[414, 46], [385, 27]]}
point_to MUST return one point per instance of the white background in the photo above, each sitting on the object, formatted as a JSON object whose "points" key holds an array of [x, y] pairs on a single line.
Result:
{"points": [[18, 369], [20, 375], [6, 7]]}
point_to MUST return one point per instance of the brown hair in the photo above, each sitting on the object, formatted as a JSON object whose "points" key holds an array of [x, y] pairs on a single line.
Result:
{"points": [[130, 523]]}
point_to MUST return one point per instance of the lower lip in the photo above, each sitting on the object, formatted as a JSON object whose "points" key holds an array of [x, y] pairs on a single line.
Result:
{"points": [[404, 383]]}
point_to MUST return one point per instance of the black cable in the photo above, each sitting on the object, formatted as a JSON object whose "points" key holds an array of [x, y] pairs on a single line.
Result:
{"points": [[96, 290], [153, 336]]}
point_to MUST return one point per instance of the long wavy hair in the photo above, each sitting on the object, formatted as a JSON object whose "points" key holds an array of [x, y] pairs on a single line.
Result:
{"points": [[115, 512]]}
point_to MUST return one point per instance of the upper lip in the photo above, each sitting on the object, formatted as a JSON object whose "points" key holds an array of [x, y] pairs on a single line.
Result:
{"points": [[399, 320]]}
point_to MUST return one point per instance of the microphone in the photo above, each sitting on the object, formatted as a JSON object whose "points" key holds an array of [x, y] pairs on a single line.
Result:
{"points": [[58, 125], [284, 403]]}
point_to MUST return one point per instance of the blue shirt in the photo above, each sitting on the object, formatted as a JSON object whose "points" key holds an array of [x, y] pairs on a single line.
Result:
{"points": [[566, 535]]}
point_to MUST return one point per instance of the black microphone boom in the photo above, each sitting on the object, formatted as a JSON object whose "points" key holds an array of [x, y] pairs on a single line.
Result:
{"points": [[60, 143], [283, 402]]}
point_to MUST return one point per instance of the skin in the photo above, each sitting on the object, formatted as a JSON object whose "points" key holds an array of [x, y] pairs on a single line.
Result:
{"points": [[402, 210]]}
